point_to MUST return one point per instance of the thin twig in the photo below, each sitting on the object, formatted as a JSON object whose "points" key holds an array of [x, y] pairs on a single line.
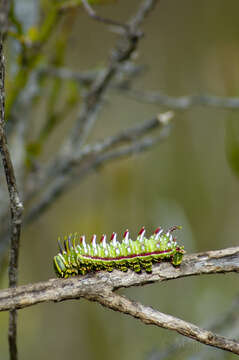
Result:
{"points": [[100, 287], [92, 157], [63, 182], [15, 206], [143, 11], [150, 97], [181, 102], [129, 135], [91, 12], [87, 77]]}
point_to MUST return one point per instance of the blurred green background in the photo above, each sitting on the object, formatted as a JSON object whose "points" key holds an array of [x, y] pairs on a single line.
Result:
{"points": [[190, 47]]}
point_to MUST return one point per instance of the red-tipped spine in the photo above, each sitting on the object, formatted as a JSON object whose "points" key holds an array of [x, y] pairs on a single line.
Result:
{"points": [[93, 241], [126, 236], [158, 232], [142, 230], [103, 240], [113, 238], [141, 234]]}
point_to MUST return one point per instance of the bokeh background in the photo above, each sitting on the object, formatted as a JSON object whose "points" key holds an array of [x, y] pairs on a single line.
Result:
{"points": [[189, 47]]}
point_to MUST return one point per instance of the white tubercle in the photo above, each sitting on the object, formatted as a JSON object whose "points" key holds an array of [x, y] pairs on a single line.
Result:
{"points": [[106, 252]]}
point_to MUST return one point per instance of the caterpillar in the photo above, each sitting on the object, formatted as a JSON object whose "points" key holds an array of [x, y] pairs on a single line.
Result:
{"points": [[77, 257]]}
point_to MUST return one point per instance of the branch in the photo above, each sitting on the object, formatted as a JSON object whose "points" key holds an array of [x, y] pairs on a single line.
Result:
{"points": [[15, 206], [92, 157], [100, 286], [226, 322], [4, 11], [182, 102], [143, 11], [150, 316], [91, 12], [130, 134], [87, 77], [177, 103], [63, 182]]}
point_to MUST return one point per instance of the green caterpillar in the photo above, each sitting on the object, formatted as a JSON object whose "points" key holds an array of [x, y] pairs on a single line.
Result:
{"points": [[79, 258]]}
